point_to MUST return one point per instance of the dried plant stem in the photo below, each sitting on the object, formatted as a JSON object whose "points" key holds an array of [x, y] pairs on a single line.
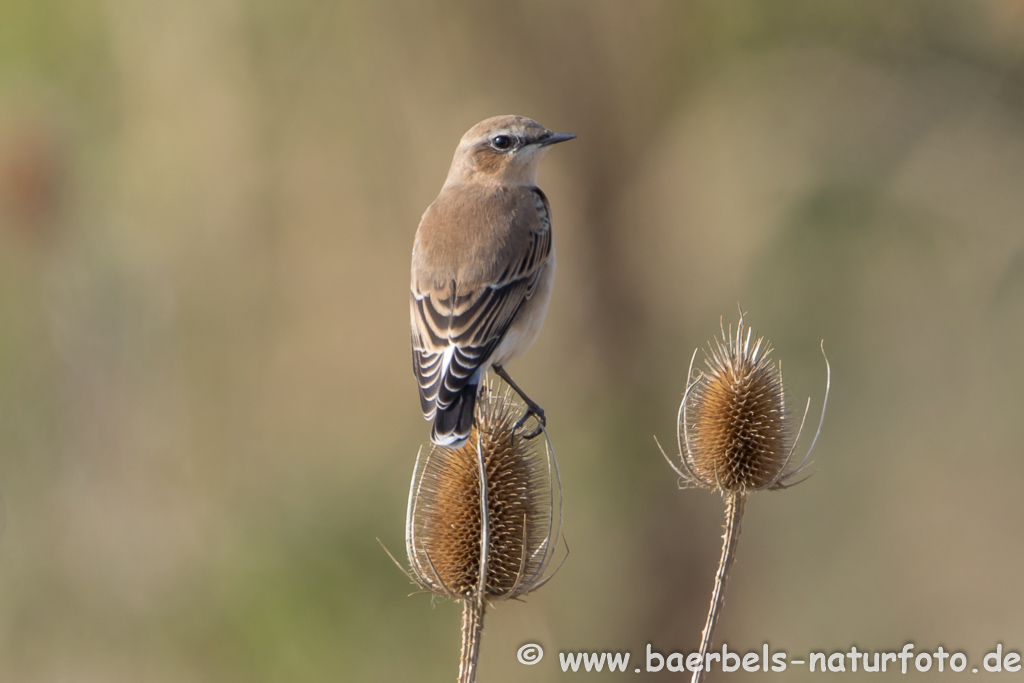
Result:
{"points": [[473, 607], [472, 626], [734, 503]]}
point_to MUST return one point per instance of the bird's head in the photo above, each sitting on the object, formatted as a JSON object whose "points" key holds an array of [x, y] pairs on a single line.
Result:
{"points": [[502, 150]]}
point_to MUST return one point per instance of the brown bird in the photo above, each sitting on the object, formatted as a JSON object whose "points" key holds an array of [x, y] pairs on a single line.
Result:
{"points": [[483, 265]]}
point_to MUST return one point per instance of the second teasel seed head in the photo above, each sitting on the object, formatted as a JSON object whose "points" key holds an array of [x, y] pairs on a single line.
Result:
{"points": [[736, 415], [734, 430]]}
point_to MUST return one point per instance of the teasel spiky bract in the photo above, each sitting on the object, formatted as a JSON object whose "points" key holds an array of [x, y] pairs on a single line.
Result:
{"points": [[734, 437], [484, 519]]}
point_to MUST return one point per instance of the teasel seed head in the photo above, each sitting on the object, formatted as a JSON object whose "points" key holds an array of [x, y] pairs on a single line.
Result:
{"points": [[492, 537], [734, 430]]}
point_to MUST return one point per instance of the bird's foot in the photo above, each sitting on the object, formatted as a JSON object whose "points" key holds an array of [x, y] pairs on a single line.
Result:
{"points": [[531, 406], [537, 412]]}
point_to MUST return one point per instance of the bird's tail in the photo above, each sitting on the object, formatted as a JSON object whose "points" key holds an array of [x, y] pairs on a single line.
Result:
{"points": [[452, 424]]}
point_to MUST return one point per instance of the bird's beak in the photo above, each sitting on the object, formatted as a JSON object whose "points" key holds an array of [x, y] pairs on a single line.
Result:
{"points": [[552, 138]]}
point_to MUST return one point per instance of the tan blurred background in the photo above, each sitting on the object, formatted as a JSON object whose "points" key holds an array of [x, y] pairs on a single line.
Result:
{"points": [[207, 410]]}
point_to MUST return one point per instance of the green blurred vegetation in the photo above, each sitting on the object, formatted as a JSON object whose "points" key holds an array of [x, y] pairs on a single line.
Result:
{"points": [[207, 414]]}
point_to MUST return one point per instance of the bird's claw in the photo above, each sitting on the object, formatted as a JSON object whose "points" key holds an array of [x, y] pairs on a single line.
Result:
{"points": [[536, 412]]}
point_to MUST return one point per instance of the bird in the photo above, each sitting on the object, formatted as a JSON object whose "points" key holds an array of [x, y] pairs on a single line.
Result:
{"points": [[483, 266]]}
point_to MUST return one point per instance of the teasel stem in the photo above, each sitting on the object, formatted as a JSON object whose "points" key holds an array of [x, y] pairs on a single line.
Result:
{"points": [[472, 627], [473, 608], [734, 504]]}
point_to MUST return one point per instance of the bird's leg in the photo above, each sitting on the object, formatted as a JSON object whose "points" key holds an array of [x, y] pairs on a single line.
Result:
{"points": [[531, 406]]}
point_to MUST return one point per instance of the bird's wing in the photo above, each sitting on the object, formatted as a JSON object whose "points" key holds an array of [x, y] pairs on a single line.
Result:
{"points": [[456, 327]]}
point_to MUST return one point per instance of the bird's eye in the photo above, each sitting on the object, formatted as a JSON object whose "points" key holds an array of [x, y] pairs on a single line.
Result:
{"points": [[501, 142]]}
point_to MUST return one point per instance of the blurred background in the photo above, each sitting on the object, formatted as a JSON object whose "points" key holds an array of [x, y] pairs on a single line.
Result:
{"points": [[207, 410]]}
